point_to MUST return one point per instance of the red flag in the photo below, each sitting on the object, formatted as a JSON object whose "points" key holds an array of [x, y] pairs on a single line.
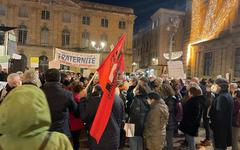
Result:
{"points": [[122, 65], [108, 80]]}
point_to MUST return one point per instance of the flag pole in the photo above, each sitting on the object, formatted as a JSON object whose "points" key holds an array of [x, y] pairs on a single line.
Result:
{"points": [[89, 83]]}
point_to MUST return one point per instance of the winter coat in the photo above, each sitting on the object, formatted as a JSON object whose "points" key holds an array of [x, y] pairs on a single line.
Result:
{"points": [[130, 97], [25, 121], [75, 123], [60, 103], [155, 126], [236, 113], [192, 111], [221, 120], [171, 103], [138, 113], [111, 137]]}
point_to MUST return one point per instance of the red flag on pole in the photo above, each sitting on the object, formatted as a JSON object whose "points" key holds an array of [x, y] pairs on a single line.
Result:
{"points": [[108, 80]]}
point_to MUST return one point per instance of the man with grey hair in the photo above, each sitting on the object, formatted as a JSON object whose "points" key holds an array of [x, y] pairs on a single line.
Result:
{"points": [[13, 80], [31, 77]]}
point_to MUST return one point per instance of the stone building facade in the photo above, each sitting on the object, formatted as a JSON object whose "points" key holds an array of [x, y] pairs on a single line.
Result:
{"points": [[217, 56], [70, 25], [151, 43]]}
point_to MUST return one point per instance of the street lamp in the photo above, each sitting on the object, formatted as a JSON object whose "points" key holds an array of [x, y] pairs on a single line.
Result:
{"points": [[172, 28], [134, 64], [99, 46]]}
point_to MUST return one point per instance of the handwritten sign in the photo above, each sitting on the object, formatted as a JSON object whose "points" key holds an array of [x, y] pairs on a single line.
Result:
{"points": [[175, 70]]}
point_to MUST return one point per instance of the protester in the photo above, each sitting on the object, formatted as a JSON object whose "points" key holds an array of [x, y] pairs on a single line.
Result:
{"points": [[76, 125], [13, 80], [25, 120], [155, 126], [236, 122], [192, 116], [209, 97], [170, 100], [221, 115], [60, 102], [232, 88], [111, 137], [31, 77], [138, 112], [130, 94], [3, 74]]}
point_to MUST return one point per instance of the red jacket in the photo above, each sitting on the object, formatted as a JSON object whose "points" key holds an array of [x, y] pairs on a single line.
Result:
{"points": [[75, 123]]}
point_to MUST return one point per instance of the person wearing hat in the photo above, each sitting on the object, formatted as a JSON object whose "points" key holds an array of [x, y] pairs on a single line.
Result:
{"points": [[156, 122], [221, 115]]}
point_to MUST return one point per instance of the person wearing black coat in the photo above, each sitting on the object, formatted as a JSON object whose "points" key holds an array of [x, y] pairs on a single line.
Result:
{"points": [[88, 106], [221, 115], [192, 111], [60, 102], [138, 113]]}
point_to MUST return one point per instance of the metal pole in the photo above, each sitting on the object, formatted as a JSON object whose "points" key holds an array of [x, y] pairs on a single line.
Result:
{"points": [[171, 46]]}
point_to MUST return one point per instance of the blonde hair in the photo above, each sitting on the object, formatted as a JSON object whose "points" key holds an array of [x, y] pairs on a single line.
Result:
{"points": [[31, 76]]}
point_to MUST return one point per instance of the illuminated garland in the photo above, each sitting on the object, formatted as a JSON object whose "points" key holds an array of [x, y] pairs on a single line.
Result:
{"points": [[209, 19]]}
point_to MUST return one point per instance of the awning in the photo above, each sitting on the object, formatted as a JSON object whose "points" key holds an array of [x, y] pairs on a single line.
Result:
{"points": [[4, 28]]}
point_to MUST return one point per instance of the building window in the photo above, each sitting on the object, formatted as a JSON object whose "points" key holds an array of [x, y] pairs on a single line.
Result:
{"points": [[104, 22], [208, 59], [22, 34], [3, 10], [86, 20], [65, 38], [122, 25], [23, 11], [67, 17], [85, 39], [2, 37], [237, 63], [45, 15], [44, 36]]}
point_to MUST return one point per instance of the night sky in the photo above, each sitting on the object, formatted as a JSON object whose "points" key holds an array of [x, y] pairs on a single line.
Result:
{"points": [[145, 8]]}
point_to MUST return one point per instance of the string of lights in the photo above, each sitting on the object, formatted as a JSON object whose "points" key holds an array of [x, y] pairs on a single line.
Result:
{"points": [[209, 19]]}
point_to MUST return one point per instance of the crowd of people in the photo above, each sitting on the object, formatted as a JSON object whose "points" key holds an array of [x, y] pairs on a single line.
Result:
{"points": [[50, 111]]}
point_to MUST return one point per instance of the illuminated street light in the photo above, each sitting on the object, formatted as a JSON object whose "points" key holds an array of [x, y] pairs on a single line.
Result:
{"points": [[99, 46]]}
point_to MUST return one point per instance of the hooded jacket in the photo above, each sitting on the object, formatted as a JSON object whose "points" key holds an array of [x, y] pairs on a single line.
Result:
{"points": [[25, 121]]}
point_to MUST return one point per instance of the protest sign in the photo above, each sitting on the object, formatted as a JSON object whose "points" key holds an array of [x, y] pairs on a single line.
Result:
{"points": [[83, 60], [175, 70], [34, 61]]}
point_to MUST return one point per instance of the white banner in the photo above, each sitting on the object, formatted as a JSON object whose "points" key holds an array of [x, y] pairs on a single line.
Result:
{"points": [[82, 60]]}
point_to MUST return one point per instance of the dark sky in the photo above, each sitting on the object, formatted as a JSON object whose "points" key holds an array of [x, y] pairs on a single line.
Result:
{"points": [[145, 8]]}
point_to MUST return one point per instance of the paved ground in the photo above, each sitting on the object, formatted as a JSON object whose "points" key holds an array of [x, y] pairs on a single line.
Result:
{"points": [[177, 143]]}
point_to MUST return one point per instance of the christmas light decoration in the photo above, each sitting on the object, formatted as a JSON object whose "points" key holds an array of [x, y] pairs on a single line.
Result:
{"points": [[209, 19]]}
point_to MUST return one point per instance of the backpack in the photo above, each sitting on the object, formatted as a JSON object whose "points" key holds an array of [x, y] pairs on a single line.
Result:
{"points": [[178, 110]]}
